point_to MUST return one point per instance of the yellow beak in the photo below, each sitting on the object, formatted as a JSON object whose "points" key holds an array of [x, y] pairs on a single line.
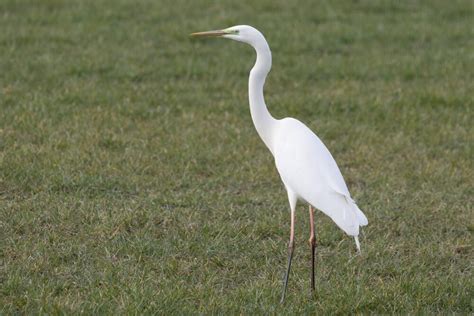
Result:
{"points": [[216, 33]]}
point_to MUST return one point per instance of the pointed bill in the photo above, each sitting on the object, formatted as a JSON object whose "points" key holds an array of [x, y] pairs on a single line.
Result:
{"points": [[215, 33]]}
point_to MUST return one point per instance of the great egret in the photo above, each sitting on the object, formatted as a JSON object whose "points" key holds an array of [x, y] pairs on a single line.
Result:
{"points": [[305, 165]]}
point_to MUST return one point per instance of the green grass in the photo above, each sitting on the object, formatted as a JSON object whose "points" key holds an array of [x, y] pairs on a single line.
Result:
{"points": [[133, 181]]}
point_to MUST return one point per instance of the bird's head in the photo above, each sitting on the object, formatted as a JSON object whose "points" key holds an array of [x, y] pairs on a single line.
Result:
{"points": [[241, 33]]}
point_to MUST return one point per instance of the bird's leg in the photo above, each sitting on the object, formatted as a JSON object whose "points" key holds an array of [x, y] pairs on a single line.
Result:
{"points": [[290, 254], [312, 243]]}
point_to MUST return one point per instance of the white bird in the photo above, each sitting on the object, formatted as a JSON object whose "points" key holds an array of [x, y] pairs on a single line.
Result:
{"points": [[306, 167]]}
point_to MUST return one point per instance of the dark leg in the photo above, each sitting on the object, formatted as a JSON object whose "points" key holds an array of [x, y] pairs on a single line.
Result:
{"points": [[312, 243], [290, 255]]}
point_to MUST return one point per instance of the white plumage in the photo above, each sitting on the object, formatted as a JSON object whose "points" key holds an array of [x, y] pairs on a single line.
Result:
{"points": [[306, 167], [309, 171]]}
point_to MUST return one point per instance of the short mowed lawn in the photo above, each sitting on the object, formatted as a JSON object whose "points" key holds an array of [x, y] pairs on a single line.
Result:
{"points": [[132, 180]]}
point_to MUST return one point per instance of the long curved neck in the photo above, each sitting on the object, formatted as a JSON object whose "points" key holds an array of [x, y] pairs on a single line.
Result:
{"points": [[262, 119]]}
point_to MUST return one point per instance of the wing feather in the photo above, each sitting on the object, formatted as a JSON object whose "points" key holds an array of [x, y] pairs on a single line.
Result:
{"points": [[308, 168]]}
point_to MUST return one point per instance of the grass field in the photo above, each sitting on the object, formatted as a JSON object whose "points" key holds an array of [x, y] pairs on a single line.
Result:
{"points": [[132, 179]]}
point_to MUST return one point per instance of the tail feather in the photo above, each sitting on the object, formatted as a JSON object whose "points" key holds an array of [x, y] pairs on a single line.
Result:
{"points": [[357, 244], [360, 216], [342, 210]]}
